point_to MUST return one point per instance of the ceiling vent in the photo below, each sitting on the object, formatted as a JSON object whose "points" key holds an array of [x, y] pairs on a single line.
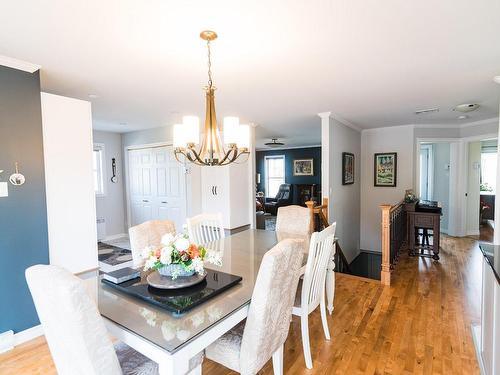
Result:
{"points": [[274, 143], [467, 107], [426, 111]]}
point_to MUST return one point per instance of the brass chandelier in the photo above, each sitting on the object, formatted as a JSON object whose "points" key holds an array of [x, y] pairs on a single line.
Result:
{"points": [[211, 151]]}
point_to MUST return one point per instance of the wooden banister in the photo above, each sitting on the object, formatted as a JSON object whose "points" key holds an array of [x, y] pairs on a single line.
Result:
{"points": [[385, 273], [393, 237]]}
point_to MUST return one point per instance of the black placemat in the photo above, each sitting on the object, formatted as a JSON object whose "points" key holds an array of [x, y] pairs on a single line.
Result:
{"points": [[179, 300]]}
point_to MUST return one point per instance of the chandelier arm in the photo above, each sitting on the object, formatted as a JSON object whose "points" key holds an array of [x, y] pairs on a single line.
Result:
{"points": [[196, 158], [176, 154], [233, 157], [247, 153], [226, 155]]}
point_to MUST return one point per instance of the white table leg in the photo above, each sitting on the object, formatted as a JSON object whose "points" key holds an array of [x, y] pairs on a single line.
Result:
{"points": [[196, 370]]}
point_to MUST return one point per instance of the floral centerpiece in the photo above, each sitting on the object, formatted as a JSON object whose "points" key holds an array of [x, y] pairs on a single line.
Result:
{"points": [[177, 256]]}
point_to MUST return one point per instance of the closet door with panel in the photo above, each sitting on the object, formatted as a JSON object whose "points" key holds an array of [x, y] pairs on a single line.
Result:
{"points": [[157, 186]]}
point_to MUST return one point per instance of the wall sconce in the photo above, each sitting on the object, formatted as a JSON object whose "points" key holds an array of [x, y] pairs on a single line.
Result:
{"points": [[17, 179]]}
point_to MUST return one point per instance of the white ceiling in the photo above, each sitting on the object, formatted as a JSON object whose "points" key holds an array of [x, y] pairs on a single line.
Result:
{"points": [[276, 63]]}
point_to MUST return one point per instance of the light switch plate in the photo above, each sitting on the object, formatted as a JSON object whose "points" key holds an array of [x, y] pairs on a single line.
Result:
{"points": [[4, 189]]}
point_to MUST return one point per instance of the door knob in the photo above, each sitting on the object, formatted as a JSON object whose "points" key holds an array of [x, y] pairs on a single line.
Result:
{"points": [[164, 202], [145, 200]]}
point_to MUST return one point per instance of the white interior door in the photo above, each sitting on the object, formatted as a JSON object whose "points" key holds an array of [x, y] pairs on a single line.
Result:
{"points": [[157, 186], [170, 180], [141, 186]]}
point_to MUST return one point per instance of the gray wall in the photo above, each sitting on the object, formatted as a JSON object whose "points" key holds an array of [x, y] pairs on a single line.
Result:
{"points": [[111, 207], [23, 214], [345, 199]]}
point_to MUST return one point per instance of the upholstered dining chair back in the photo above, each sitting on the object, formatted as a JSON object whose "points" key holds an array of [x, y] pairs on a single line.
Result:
{"points": [[268, 320], [205, 228], [320, 251], [76, 335], [146, 234], [293, 219]]}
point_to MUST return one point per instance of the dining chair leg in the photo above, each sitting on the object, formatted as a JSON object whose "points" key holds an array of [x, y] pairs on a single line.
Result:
{"points": [[278, 361], [330, 285], [322, 309], [304, 325]]}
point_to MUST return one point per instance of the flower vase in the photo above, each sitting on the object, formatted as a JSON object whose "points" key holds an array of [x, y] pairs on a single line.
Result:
{"points": [[175, 269]]}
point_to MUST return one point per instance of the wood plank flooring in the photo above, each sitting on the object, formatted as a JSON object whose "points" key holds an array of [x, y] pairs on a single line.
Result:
{"points": [[420, 325]]}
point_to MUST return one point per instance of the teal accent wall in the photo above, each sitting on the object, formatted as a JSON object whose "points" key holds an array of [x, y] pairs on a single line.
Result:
{"points": [[23, 214]]}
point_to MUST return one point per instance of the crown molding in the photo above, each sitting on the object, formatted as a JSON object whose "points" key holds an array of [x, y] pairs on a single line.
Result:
{"points": [[340, 119], [10, 62], [324, 114], [284, 148]]}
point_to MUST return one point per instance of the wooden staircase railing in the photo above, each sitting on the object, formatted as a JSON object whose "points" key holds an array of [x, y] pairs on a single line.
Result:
{"points": [[319, 221], [393, 238]]}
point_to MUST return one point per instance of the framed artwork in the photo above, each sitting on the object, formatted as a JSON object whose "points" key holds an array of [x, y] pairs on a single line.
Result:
{"points": [[347, 168], [386, 168], [303, 167]]}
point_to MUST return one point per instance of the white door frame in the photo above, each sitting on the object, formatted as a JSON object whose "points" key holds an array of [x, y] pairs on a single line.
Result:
{"points": [[127, 174], [467, 141]]}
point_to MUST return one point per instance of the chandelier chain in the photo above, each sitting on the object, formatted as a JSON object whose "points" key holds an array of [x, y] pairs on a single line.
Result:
{"points": [[209, 65]]}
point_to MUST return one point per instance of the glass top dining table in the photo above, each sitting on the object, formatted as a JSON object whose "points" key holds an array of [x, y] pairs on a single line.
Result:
{"points": [[241, 255]]}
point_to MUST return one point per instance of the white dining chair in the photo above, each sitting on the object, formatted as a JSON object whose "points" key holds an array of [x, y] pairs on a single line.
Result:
{"points": [[294, 220], [247, 347], [146, 234], [311, 289], [77, 337], [205, 228]]}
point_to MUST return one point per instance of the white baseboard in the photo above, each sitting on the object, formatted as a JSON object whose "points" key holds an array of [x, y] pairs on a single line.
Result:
{"points": [[476, 338], [28, 334], [115, 236]]}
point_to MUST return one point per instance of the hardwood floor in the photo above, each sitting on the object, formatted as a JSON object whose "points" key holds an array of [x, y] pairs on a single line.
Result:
{"points": [[420, 325]]}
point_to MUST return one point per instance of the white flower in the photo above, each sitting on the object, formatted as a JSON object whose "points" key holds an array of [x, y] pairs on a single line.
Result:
{"points": [[167, 330], [146, 253], [166, 255], [183, 334], [197, 265], [198, 319], [149, 316], [150, 262], [167, 239], [182, 244], [215, 257]]}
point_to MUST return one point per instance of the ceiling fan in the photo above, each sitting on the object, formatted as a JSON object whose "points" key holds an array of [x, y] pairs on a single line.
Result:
{"points": [[274, 143]]}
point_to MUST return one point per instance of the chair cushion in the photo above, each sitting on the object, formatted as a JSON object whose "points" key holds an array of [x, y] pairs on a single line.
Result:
{"points": [[226, 350], [134, 363]]}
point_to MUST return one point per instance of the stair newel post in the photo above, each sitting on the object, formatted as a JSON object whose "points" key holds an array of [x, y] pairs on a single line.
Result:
{"points": [[325, 204], [385, 275], [310, 206]]}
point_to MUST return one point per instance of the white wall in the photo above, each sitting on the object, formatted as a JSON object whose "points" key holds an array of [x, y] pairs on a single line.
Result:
{"points": [[111, 206], [441, 188], [398, 139], [67, 143], [344, 207]]}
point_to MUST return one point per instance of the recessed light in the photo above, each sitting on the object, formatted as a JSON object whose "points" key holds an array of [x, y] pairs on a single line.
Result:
{"points": [[463, 117], [93, 96], [425, 111], [466, 107]]}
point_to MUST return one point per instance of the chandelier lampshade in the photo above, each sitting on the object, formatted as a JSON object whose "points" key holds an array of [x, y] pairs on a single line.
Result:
{"points": [[210, 150]]}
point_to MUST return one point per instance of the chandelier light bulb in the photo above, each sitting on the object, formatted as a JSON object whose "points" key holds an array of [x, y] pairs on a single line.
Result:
{"points": [[244, 137], [192, 129], [231, 125], [179, 136]]}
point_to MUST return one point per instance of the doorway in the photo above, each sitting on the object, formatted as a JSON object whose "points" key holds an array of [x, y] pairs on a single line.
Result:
{"points": [[481, 189], [434, 176]]}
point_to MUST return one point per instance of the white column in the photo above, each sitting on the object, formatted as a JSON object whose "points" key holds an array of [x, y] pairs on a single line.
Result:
{"points": [[326, 129], [496, 233]]}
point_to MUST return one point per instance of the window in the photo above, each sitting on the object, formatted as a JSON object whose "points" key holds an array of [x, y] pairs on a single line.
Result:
{"points": [[488, 172], [98, 169], [275, 174]]}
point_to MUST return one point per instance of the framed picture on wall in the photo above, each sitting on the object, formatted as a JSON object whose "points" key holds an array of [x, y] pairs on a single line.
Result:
{"points": [[347, 168], [385, 169], [303, 167]]}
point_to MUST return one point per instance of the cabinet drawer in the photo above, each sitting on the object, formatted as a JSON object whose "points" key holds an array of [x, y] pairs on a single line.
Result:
{"points": [[424, 221]]}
